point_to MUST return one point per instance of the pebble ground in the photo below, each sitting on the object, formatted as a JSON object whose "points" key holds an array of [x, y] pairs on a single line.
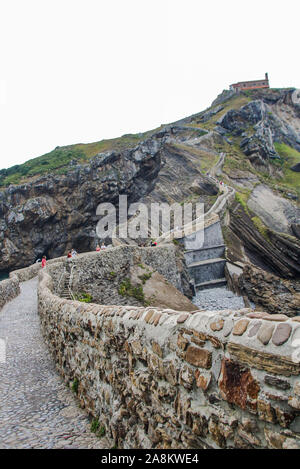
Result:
{"points": [[215, 299], [37, 410]]}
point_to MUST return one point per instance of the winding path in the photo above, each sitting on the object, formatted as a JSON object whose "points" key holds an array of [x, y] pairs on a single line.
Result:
{"points": [[37, 410]]}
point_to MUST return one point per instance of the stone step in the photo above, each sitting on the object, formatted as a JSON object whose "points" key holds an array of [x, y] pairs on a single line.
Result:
{"points": [[196, 255], [204, 249], [220, 282], [207, 270], [216, 260]]}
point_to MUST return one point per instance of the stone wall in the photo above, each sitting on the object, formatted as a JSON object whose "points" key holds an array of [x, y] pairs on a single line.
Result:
{"points": [[94, 265], [9, 289], [165, 379], [100, 274]]}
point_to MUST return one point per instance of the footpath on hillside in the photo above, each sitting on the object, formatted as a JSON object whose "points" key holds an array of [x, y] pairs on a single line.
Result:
{"points": [[37, 410]]}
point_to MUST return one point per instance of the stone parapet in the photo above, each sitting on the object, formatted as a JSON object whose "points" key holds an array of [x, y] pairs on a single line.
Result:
{"points": [[9, 289], [167, 379]]}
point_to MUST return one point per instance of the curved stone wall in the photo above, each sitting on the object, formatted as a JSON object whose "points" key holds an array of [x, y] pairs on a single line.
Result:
{"points": [[167, 379], [9, 289]]}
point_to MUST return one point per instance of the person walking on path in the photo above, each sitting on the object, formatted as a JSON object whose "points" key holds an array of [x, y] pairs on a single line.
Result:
{"points": [[44, 262]]}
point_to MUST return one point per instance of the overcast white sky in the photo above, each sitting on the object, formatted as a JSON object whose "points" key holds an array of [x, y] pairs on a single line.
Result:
{"points": [[82, 70]]}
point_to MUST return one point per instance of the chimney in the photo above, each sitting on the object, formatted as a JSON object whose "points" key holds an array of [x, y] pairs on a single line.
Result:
{"points": [[266, 77]]}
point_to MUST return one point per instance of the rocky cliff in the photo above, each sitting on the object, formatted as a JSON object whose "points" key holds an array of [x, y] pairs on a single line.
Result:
{"points": [[53, 205]]}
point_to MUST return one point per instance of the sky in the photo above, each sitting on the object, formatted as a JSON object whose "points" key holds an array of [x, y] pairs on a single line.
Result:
{"points": [[80, 71]]}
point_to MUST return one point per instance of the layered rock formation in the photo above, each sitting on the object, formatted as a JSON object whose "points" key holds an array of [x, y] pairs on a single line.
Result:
{"points": [[53, 213], [258, 135]]}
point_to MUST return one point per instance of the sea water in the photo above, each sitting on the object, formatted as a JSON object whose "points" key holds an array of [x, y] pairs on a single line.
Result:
{"points": [[3, 275]]}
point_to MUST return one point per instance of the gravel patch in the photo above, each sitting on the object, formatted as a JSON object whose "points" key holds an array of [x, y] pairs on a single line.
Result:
{"points": [[218, 299]]}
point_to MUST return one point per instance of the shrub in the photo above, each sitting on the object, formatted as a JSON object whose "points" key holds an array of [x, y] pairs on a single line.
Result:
{"points": [[84, 297], [127, 289], [262, 229], [75, 385]]}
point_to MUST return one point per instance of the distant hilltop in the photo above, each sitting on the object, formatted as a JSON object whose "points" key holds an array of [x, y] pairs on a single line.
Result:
{"points": [[250, 85]]}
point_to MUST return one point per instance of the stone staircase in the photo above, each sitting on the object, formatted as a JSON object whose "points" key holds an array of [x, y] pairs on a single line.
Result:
{"points": [[64, 289], [205, 258]]}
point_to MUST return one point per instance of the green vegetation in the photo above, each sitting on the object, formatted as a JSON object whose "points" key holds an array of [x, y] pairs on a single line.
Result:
{"points": [[261, 227], [127, 289], [290, 157], [75, 385], [58, 160], [242, 198], [119, 143], [236, 102], [84, 297], [112, 274], [95, 425], [98, 429], [145, 277], [101, 432], [50, 162]]}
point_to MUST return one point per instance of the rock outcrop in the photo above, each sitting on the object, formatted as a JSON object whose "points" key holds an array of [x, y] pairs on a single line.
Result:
{"points": [[269, 291], [53, 213], [49, 214], [276, 252]]}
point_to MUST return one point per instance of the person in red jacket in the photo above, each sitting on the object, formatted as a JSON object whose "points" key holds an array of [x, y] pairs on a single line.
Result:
{"points": [[44, 262]]}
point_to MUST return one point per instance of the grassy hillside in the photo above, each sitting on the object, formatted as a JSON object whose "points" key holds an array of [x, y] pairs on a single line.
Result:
{"points": [[290, 157], [57, 161]]}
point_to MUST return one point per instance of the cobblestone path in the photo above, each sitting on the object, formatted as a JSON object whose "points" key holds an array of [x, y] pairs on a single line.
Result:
{"points": [[37, 410]]}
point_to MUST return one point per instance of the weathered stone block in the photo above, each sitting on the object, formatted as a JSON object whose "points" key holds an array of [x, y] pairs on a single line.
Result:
{"points": [[186, 377], [274, 439], [240, 327], [157, 349], [272, 363], [149, 315], [276, 317], [182, 318], [265, 411], [265, 333], [217, 325], [284, 418], [294, 402], [249, 437], [182, 342], [198, 357], [277, 382], [281, 334], [137, 347], [297, 388], [254, 329], [236, 384], [170, 372], [203, 379]]}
